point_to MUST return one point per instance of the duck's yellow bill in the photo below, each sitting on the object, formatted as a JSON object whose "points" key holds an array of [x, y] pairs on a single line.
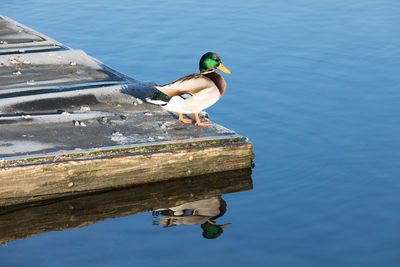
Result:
{"points": [[222, 67], [224, 225]]}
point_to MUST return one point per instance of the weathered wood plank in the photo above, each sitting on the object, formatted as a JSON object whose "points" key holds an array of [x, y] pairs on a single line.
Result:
{"points": [[85, 210], [18, 38], [19, 184]]}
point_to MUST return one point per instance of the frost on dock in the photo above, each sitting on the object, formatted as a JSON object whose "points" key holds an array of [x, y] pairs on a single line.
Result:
{"points": [[15, 37], [69, 124]]}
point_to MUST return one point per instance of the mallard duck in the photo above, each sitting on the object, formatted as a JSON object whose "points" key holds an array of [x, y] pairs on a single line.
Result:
{"points": [[204, 89], [203, 212]]}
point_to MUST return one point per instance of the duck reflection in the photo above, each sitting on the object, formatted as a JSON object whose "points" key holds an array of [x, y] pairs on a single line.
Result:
{"points": [[183, 201], [203, 212]]}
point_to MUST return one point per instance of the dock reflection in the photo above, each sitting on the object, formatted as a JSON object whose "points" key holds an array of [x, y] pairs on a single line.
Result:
{"points": [[191, 200]]}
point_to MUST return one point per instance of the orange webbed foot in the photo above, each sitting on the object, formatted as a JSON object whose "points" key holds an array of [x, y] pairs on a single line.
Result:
{"points": [[186, 120], [202, 123], [182, 119]]}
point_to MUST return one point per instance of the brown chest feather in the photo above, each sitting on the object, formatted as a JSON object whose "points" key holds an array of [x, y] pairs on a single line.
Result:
{"points": [[218, 80]]}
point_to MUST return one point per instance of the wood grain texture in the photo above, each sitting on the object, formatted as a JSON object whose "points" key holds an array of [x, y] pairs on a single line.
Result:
{"points": [[42, 181]]}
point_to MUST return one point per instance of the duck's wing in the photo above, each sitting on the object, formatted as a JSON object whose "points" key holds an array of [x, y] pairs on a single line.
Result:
{"points": [[190, 84]]}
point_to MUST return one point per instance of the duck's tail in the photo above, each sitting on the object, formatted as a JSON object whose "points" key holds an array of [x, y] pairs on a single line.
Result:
{"points": [[158, 97]]}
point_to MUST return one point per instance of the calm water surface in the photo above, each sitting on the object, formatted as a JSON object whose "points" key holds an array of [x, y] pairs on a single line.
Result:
{"points": [[314, 85]]}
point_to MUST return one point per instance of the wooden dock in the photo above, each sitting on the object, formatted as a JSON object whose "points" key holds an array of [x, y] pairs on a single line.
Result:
{"points": [[71, 125]]}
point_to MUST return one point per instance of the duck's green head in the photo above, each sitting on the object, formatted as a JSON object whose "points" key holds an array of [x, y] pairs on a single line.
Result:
{"points": [[211, 230], [210, 61]]}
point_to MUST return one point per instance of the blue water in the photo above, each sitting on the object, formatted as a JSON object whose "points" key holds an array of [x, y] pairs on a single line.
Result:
{"points": [[314, 85]]}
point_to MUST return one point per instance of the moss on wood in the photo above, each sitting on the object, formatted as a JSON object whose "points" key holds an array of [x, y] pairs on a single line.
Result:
{"points": [[115, 152]]}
